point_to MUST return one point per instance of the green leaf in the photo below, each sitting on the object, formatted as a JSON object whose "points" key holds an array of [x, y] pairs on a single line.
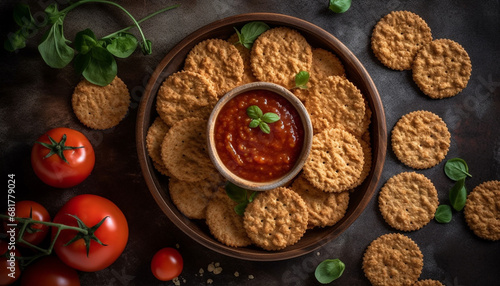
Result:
{"points": [[254, 123], [270, 117], [254, 112], [14, 41], [265, 128], [240, 208], [458, 195], [54, 49], [146, 47], [53, 14], [329, 270], [250, 32], [123, 45], [456, 169], [81, 62], [443, 214], [84, 41], [339, 6], [236, 193], [22, 16], [101, 69], [252, 197], [301, 79]]}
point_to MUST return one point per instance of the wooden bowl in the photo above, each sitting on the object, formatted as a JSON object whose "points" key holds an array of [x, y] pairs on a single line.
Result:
{"points": [[317, 37], [306, 146]]}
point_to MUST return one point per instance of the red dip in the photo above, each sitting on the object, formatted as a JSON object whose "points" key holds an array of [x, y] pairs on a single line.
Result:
{"points": [[250, 153]]}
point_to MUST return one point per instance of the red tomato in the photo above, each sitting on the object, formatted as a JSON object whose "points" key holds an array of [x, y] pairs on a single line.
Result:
{"points": [[9, 266], [50, 271], [38, 212], [167, 264], [113, 233], [66, 144]]}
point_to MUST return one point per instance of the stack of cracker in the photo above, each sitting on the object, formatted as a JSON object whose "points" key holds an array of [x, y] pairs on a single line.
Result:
{"points": [[340, 158]]}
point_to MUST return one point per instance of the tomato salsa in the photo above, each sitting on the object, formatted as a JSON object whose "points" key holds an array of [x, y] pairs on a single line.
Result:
{"points": [[250, 153]]}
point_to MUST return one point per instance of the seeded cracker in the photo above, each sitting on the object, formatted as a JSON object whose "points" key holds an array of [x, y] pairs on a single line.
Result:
{"points": [[397, 37], [154, 138], [276, 219], [218, 61], [482, 210], [420, 139], [336, 103], [224, 223], [101, 107], [408, 201], [325, 209], [367, 165], [245, 55], [335, 161], [442, 68], [185, 94], [393, 259], [428, 282], [191, 198], [279, 54], [184, 151]]}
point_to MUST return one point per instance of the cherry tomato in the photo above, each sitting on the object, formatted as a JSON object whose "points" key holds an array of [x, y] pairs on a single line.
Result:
{"points": [[9, 266], [50, 271], [167, 264], [112, 233], [62, 157], [36, 232]]}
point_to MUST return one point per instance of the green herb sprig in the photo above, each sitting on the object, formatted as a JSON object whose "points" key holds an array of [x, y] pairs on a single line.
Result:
{"points": [[240, 195], [95, 59], [339, 6], [250, 32], [329, 270], [443, 214], [261, 120], [301, 79]]}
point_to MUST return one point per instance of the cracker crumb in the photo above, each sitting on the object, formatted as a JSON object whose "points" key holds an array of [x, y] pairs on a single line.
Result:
{"points": [[318, 254], [177, 246], [236, 274], [211, 267], [184, 280], [217, 270], [201, 271], [251, 277], [210, 281], [176, 281], [217, 264]]}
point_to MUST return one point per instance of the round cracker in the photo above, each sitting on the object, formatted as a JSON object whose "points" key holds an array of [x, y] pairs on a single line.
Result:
{"points": [[218, 61], [393, 259], [420, 139], [191, 198], [335, 161], [276, 219], [442, 68], [428, 282], [248, 76], [185, 94], [224, 223], [336, 103], [397, 37], [325, 209], [184, 150], [482, 210], [101, 107], [279, 54], [408, 201], [367, 165], [154, 137]]}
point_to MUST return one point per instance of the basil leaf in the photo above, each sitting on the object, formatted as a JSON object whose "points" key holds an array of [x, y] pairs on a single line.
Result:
{"points": [[23, 17], [456, 169], [339, 6], [301, 79], [84, 41], [54, 49], [443, 214], [254, 112], [123, 45], [250, 32], [254, 123], [252, 197], [53, 14], [146, 47], [329, 270], [14, 41], [240, 208], [236, 193], [458, 195], [265, 128], [101, 69], [81, 62], [270, 117]]}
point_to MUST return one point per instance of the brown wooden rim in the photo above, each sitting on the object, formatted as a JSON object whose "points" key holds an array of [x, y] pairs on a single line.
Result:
{"points": [[378, 132]]}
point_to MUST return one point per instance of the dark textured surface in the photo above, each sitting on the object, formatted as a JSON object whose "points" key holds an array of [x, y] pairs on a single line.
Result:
{"points": [[35, 98]]}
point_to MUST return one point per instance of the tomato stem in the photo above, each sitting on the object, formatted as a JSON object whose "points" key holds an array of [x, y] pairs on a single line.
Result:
{"points": [[57, 148]]}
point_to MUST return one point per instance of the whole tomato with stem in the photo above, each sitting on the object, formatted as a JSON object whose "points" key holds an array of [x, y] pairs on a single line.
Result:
{"points": [[50, 271], [35, 232], [103, 235], [62, 157], [167, 264], [9, 266]]}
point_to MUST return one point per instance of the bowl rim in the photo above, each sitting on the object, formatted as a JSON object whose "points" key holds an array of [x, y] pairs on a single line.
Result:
{"points": [[378, 126], [304, 152]]}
